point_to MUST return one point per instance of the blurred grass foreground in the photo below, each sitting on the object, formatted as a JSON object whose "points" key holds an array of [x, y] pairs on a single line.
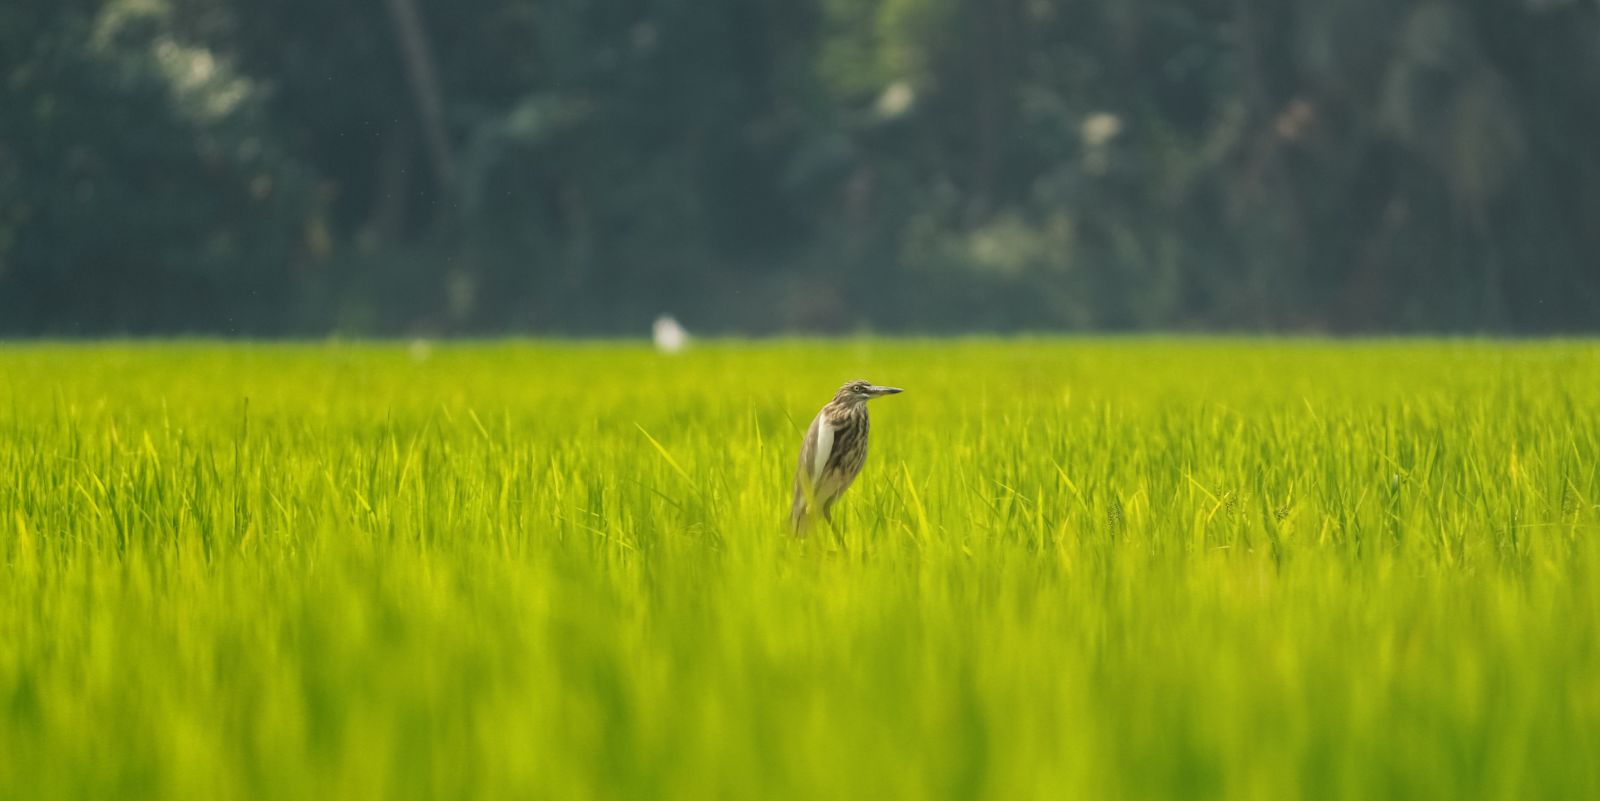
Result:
{"points": [[1071, 569]]}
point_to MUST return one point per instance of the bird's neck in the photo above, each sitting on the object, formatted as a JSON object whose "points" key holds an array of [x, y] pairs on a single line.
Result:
{"points": [[839, 411]]}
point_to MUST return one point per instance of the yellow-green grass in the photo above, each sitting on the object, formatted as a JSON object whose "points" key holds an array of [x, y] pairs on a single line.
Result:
{"points": [[1098, 569]]}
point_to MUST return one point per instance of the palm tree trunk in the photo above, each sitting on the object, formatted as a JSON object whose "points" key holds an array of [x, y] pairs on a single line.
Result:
{"points": [[424, 79]]}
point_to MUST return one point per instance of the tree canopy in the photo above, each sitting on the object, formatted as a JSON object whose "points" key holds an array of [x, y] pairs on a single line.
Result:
{"points": [[578, 166]]}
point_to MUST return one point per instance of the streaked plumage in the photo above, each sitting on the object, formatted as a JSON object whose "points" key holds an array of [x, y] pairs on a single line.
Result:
{"points": [[834, 449]]}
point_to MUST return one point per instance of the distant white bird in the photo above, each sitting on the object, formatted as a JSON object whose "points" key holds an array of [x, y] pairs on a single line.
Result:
{"points": [[669, 335], [420, 349]]}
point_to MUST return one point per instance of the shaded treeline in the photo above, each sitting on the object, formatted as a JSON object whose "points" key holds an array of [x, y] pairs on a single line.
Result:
{"points": [[391, 166]]}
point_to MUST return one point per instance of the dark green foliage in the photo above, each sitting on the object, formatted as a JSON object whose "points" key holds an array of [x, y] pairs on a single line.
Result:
{"points": [[759, 165], [138, 191]]}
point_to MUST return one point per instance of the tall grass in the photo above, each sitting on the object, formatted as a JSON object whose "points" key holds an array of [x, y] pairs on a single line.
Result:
{"points": [[1070, 569]]}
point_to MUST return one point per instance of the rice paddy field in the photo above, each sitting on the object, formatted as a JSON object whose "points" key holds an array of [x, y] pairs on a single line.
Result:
{"points": [[1096, 569]]}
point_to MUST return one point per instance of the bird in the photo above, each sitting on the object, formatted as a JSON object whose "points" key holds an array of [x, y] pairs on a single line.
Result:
{"points": [[833, 451], [670, 336]]}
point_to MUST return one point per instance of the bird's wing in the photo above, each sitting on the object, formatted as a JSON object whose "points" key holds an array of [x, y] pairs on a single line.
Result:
{"points": [[814, 453], [822, 446]]}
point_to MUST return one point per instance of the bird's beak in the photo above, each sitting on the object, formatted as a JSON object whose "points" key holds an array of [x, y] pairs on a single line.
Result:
{"points": [[878, 392]]}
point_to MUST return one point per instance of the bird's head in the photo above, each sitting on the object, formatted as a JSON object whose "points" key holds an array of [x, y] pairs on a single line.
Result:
{"points": [[862, 391]]}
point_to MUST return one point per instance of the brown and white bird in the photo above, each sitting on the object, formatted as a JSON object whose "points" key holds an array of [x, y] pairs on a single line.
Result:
{"points": [[834, 449]]}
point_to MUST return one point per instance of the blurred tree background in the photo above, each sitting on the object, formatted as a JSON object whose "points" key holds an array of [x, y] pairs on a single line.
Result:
{"points": [[577, 166]]}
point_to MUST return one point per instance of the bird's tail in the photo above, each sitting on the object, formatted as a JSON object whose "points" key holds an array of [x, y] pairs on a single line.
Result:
{"points": [[800, 516], [799, 521]]}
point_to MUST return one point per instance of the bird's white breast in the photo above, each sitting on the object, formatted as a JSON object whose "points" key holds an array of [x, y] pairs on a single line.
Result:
{"points": [[824, 446]]}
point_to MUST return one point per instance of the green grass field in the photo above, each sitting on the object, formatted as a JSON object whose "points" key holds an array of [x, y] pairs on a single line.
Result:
{"points": [[1096, 569]]}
